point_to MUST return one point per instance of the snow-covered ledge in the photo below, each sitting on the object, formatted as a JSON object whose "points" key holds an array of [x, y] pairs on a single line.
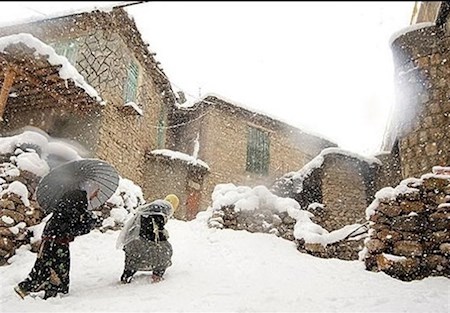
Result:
{"points": [[408, 29], [66, 71], [132, 107], [180, 156]]}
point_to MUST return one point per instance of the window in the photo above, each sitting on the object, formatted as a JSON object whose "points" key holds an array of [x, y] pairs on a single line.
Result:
{"points": [[69, 49], [132, 82], [258, 147]]}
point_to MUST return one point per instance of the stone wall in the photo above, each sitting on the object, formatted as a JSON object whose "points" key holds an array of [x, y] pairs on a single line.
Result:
{"points": [[345, 191], [389, 174], [172, 176], [421, 116], [16, 217], [282, 225], [342, 184], [409, 236]]}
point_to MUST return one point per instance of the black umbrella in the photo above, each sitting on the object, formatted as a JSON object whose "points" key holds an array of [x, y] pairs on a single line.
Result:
{"points": [[98, 178]]}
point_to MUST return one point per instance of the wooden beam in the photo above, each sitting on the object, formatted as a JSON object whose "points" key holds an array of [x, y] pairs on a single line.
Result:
{"points": [[36, 82], [8, 81]]}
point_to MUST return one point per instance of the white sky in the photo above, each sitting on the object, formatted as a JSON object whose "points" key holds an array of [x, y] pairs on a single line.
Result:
{"points": [[325, 67]]}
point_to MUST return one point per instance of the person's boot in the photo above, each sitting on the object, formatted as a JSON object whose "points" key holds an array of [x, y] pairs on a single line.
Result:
{"points": [[127, 276], [50, 294], [156, 278], [21, 291]]}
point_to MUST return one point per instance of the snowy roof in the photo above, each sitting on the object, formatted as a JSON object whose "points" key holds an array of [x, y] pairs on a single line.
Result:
{"points": [[66, 70], [216, 99], [109, 17], [181, 156], [40, 77], [75, 8]]}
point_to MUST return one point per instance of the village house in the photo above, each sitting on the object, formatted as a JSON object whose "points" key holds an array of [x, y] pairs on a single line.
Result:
{"points": [[108, 51], [131, 118], [236, 144]]}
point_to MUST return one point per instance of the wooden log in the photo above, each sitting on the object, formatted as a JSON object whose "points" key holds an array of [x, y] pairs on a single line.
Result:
{"points": [[8, 81]]}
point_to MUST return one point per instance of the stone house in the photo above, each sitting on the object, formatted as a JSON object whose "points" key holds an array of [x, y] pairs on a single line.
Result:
{"points": [[238, 145], [108, 51], [417, 138], [336, 186], [138, 114]]}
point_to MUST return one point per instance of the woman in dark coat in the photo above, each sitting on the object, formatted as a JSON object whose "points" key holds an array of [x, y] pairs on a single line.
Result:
{"points": [[71, 218], [145, 240]]}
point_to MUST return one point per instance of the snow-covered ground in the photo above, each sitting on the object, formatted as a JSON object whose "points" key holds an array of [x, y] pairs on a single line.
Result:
{"points": [[218, 270]]}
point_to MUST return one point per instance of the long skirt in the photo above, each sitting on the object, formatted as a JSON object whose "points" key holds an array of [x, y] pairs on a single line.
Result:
{"points": [[145, 255], [51, 269]]}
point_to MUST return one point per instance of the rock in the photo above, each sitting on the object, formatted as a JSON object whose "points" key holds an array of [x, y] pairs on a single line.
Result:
{"points": [[7, 204], [408, 248], [445, 248], [16, 216], [375, 246], [435, 183], [315, 248], [386, 235], [407, 207], [383, 263], [6, 244], [415, 223], [439, 221], [390, 209]]}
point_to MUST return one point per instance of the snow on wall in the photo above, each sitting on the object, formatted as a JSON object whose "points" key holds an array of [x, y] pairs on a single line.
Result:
{"points": [[181, 156]]}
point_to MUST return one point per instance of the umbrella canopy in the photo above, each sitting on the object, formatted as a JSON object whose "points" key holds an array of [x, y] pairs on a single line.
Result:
{"points": [[98, 178]]}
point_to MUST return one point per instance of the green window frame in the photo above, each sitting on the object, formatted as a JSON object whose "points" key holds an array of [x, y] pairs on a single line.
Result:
{"points": [[131, 85], [68, 48], [258, 151]]}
